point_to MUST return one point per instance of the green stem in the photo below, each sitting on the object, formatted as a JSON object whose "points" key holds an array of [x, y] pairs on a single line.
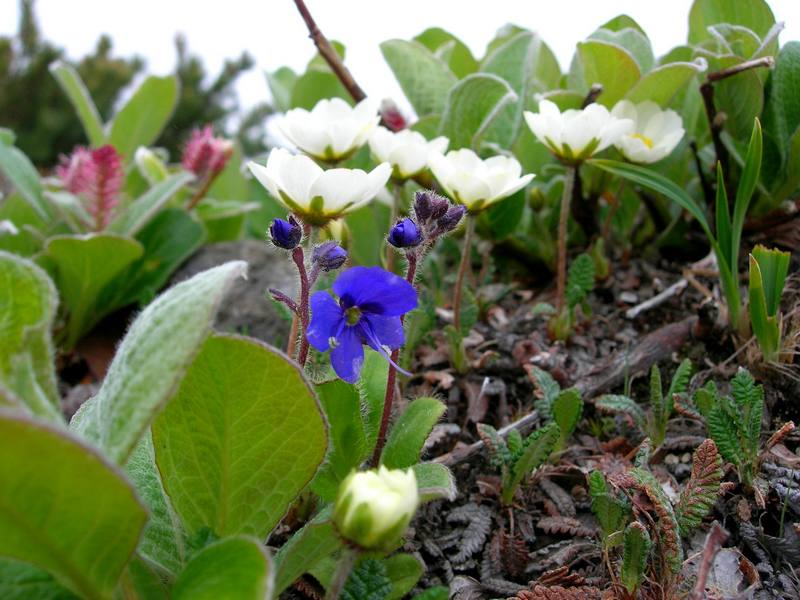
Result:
{"points": [[563, 220], [463, 268], [343, 569]]}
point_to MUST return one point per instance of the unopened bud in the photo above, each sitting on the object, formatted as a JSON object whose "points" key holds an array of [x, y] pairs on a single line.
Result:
{"points": [[286, 234], [429, 206], [391, 116], [451, 218], [329, 256], [373, 508], [405, 234]]}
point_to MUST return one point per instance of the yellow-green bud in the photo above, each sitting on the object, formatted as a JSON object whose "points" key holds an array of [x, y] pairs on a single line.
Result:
{"points": [[373, 508]]}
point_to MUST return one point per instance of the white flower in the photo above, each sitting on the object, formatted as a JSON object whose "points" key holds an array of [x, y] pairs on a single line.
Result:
{"points": [[333, 129], [477, 183], [315, 195], [655, 132], [407, 151], [373, 508], [576, 135]]}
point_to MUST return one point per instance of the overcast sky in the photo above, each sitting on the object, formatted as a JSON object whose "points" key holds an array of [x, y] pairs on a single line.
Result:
{"points": [[273, 33]]}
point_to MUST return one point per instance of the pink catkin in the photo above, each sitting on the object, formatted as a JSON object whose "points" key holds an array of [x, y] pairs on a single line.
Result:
{"points": [[96, 177], [204, 154]]}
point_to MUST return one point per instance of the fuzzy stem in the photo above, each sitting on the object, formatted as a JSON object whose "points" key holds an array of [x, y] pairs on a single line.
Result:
{"points": [[346, 563], [563, 218], [463, 268], [202, 191], [299, 260], [291, 346], [391, 378]]}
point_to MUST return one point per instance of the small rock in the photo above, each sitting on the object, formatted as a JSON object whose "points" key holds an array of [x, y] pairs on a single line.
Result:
{"points": [[629, 297]]}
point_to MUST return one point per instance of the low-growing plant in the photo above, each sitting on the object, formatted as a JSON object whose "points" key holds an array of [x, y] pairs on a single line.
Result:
{"points": [[516, 457], [564, 407], [580, 281], [653, 421], [768, 270]]}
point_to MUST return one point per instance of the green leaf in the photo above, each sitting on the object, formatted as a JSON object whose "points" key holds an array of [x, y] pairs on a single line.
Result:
{"points": [[528, 65], [701, 491], [438, 592], [621, 22], [23, 176], [665, 82], [782, 109], [632, 40], [472, 105], [407, 436], [617, 403], [404, 571], [27, 241], [667, 524], [21, 581], [567, 411], [741, 98], [81, 101], [460, 61], [768, 269], [658, 183], [163, 541], [27, 308], [636, 549], [140, 121], [536, 450], [317, 540], [237, 568], [580, 279], [546, 390], [342, 406], [500, 453], [658, 406], [611, 512], [754, 14], [680, 380], [141, 211], [241, 438], [434, 482], [609, 65], [744, 192], [168, 240], [77, 517], [315, 85], [82, 267], [372, 391], [140, 580], [153, 357], [424, 78], [369, 580], [281, 83]]}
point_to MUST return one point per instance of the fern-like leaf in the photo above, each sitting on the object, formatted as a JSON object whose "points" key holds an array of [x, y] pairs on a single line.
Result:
{"points": [[535, 451], [749, 397], [723, 431], [580, 280], [635, 552], [514, 442], [545, 388], [567, 409], [668, 531], [658, 409], [499, 455], [611, 512], [700, 492], [617, 403], [680, 380]]}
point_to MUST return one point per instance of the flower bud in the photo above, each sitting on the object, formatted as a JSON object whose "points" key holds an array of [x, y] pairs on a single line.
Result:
{"points": [[451, 218], [150, 165], [286, 234], [329, 256], [206, 155], [373, 508], [392, 116], [405, 234], [429, 206]]}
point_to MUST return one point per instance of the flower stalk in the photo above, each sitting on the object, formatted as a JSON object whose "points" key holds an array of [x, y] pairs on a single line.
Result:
{"points": [[563, 219], [463, 269], [347, 561], [299, 259]]}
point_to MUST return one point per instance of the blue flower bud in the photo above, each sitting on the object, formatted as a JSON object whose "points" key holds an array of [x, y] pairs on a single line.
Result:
{"points": [[329, 256], [451, 218], [405, 234], [285, 234], [429, 206]]}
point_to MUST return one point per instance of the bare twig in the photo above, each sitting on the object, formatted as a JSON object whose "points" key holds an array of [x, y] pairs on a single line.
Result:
{"points": [[668, 293], [591, 97], [716, 537], [329, 53]]}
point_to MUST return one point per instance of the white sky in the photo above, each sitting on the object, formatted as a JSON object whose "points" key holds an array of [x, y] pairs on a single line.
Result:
{"points": [[274, 34]]}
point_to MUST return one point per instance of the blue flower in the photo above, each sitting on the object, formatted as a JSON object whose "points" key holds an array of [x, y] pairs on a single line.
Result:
{"points": [[405, 234], [371, 302]]}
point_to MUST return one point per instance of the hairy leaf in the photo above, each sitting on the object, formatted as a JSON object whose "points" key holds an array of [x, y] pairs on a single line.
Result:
{"points": [[580, 279], [667, 524], [636, 549], [545, 388], [617, 403], [499, 453], [369, 580], [609, 510], [700, 492], [567, 410], [407, 436], [535, 451]]}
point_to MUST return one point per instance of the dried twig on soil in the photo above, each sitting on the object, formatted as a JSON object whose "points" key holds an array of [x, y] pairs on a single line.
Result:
{"points": [[716, 537]]}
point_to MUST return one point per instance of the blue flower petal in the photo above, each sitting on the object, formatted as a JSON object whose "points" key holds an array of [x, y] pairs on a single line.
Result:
{"points": [[348, 354], [326, 318], [387, 330], [375, 291]]}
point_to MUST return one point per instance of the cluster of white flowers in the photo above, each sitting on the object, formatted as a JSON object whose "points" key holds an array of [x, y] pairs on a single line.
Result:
{"points": [[333, 131]]}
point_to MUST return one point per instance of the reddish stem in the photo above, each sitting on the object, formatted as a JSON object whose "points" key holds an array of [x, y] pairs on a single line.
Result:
{"points": [[299, 259], [388, 399]]}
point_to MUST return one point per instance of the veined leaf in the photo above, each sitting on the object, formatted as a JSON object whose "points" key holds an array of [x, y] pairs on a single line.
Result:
{"points": [[636, 549], [618, 403], [424, 78], [700, 492], [407, 436], [535, 451], [434, 482], [317, 540]]}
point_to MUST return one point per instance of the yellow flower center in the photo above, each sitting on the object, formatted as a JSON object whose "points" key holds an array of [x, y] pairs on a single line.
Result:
{"points": [[353, 315], [647, 141]]}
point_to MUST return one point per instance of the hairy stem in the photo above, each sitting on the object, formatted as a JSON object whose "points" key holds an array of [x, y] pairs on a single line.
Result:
{"points": [[463, 268], [391, 379], [299, 259], [329, 53], [201, 191], [346, 563], [563, 219]]}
